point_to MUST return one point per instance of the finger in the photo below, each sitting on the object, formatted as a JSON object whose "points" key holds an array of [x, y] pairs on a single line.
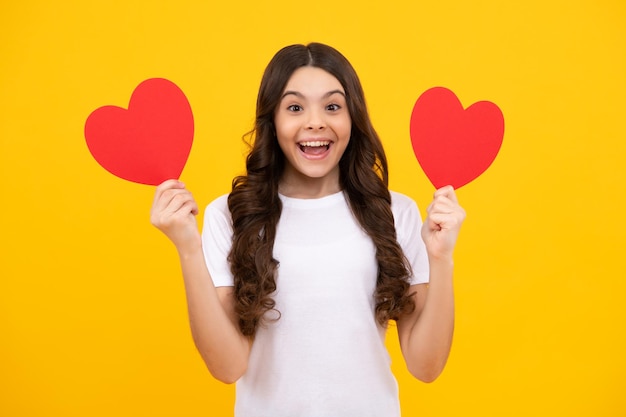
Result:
{"points": [[177, 201], [185, 203], [166, 196], [441, 205], [454, 216], [167, 185], [433, 223], [179, 206], [169, 203], [447, 191], [190, 207]]}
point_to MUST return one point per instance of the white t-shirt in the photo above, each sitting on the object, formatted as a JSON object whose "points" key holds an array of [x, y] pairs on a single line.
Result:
{"points": [[326, 354]]}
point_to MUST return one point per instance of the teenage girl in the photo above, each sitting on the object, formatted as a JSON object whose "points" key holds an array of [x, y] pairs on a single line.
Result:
{"points": [[299, 269]]}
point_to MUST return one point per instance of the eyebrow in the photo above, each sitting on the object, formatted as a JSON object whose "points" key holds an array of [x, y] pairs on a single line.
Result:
{"points": [[300, 95]]}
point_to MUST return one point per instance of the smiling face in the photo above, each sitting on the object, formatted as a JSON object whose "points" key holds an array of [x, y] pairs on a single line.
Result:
{"points": [[313, 128]]}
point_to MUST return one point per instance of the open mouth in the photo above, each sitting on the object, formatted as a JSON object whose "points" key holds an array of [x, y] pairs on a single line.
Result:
{"points": [[316, 147]]}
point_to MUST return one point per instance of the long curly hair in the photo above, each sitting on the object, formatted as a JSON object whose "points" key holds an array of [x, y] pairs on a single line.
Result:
{"points": [[255, 206]]}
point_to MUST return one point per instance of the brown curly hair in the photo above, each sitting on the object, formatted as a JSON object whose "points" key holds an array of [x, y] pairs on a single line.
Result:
{"points": [[256, 207]]}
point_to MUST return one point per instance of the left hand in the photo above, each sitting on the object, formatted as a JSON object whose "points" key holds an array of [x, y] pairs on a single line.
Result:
{"points": [[442, 225]]}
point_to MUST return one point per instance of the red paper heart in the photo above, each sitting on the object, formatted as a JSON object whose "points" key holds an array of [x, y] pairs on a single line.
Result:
{"points": [[454, 146], [148, 143]]}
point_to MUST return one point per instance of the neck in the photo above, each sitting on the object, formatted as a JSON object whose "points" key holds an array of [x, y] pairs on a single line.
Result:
{"points": [[300, 186]]}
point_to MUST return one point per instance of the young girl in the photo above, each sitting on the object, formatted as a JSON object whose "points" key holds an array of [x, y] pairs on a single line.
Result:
{"points": [[299, 269]]}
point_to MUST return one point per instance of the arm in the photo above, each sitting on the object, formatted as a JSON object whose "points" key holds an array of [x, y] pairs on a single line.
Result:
{"points": [[426, 333], [211, 310]]}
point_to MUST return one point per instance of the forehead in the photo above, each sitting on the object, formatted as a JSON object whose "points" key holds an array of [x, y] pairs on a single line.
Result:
{"points": [[312, 80]]}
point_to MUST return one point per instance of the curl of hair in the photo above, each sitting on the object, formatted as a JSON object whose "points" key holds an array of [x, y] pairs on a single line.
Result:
{"points": [[256, 207]]}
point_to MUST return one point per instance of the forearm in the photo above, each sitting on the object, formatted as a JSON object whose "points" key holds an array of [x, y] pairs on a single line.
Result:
{"points": [[430, 338], [216, 335]]}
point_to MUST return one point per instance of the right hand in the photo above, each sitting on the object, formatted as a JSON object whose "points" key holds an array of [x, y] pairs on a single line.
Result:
{"points": [[174, 213]]}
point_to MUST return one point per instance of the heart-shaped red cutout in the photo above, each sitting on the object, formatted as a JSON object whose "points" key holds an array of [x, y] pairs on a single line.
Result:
{"points": [[148, 143], [454, 145]]}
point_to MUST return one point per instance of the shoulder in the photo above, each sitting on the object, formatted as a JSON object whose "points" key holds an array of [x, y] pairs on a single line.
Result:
{"points": [[405, 210], [218, 207], [401, 202], [219, 203]]}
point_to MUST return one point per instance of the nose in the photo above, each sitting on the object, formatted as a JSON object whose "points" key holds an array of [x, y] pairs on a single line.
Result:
{"points": [[315, 120]]}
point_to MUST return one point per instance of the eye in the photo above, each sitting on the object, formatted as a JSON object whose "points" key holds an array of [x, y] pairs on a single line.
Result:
{"points": [[333, 107], [294, 108]]}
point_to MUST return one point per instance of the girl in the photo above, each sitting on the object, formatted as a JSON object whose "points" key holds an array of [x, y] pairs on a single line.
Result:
{"points": [[299, 269]]}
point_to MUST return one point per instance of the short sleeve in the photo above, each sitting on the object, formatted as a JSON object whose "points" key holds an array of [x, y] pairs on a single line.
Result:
{"points": [[408, 224], [217, 233]]}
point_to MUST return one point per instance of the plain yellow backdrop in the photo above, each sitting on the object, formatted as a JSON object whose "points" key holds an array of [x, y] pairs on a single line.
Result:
{"points": [[92, 310]]}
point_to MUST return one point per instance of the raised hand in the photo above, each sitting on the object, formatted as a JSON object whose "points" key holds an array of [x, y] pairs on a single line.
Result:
{"points": [[174, 212], [442, 225]]}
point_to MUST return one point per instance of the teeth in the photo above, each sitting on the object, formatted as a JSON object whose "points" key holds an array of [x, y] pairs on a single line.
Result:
{"points": [[315, 143]]}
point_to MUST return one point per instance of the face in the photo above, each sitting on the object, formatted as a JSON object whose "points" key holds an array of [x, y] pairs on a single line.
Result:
{"points": [[313, 130]]}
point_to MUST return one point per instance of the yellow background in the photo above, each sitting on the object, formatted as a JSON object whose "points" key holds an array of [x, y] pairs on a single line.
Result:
{"points": [[92, 310]]}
